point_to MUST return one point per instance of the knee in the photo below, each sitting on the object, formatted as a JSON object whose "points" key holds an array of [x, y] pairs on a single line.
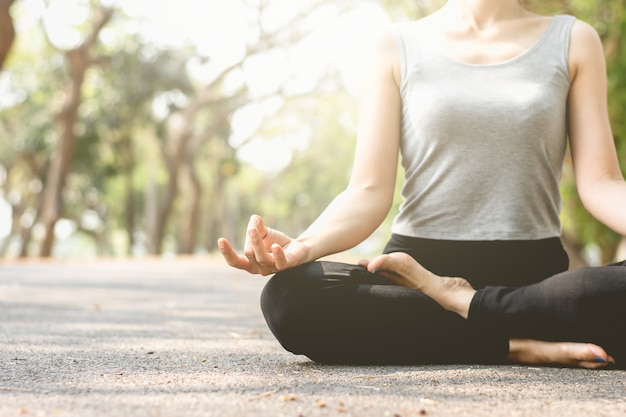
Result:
{"points": [[277, 302], [300, 305], [295, 293], [283, 292], [286, 305]]}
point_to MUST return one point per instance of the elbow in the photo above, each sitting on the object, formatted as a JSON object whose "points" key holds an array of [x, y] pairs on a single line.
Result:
{"points": [[376, 199], [591, 189], [589, 197], [585, 194]]}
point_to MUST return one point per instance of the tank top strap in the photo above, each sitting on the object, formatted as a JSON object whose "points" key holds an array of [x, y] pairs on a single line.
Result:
{"points": [[557, 39], [409, 50]]}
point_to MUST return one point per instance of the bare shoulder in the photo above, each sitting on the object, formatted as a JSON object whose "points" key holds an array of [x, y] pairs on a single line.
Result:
{"points": [[386, 39], [387, 45], [585, 42], [585, 51], [584, 33], [385, 56]]}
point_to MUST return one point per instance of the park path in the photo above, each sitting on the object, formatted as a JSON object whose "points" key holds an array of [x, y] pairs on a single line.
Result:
{"points": [[185, 337]]}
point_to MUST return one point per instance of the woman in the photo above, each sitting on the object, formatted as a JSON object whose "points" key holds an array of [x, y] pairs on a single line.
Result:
{"points": [[479, 98]]}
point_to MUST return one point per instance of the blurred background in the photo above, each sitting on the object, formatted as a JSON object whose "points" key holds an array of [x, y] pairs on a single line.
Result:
{"points": [[136, 128]]}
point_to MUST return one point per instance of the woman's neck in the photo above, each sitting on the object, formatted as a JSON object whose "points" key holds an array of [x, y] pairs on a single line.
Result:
{"points": [[482, 14]]}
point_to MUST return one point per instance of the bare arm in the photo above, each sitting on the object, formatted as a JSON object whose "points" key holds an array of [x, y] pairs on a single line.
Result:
{"points": [[600, 183], [355, 213]]}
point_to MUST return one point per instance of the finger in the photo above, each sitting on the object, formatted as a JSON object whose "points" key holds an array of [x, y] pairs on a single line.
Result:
{"points": [[232, 258], [363, 263], [259, 252], [259, 224], [280, 259], [247, 248], [254, 224]]}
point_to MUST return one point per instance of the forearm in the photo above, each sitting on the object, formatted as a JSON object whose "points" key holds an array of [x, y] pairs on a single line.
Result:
{"points": [[606, 201], [350, 218]]}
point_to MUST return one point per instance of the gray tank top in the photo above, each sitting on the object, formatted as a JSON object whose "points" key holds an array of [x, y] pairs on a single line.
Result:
{"points": [[483, 145]]}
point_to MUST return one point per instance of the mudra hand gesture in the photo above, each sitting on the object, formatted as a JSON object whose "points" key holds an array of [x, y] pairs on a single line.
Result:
{"points": [[266, 250]]}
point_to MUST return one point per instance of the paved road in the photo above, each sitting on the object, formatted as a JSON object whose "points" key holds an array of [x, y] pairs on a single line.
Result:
{"points": [[186, 338]]}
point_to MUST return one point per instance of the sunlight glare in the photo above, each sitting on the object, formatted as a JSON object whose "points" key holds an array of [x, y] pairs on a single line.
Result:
{"points": [[62, 20]]}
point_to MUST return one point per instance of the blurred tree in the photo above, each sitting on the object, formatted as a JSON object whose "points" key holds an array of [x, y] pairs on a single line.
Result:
{"points": [[410, 9], [27, 133], [213, 105], [180, 140], [82, 164], [78, 59], [319, 168], [123, 115], [134, 150]]}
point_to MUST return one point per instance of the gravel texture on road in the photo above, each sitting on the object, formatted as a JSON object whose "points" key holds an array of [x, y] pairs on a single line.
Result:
{"points": [[185, 337]]}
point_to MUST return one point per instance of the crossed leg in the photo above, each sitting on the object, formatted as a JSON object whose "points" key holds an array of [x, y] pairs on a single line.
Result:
{"points": [[456, 295]]}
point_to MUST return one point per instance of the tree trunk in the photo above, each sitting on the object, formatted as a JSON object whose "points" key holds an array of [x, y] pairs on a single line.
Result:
{"points": [[17, 210], [128, 165], [174, 163], [213, 211], [129, 211], [151, 205], [78, 61], [51, 208], [190, 226], [7, 31], [174, 151]]}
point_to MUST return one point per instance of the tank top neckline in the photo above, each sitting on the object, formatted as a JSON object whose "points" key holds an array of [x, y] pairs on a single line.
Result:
{"points": [[528, 52]]}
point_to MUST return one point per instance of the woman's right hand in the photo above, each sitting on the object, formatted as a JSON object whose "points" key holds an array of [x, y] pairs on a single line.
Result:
{"points": [[266, 251]]}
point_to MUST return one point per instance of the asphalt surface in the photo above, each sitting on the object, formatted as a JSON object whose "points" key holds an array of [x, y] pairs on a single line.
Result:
{"points": [[186, 338]]}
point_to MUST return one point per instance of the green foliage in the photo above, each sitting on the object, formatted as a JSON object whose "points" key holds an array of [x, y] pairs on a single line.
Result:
{"points": [[118, 174], [321, 171], [290, 199], [410, 10]]}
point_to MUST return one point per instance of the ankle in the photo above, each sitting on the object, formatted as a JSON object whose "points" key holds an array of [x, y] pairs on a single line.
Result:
{"points": [[457, 295]]}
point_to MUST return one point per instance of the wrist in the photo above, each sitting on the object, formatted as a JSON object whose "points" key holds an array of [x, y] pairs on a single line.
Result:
{"points": [[308, 249]]}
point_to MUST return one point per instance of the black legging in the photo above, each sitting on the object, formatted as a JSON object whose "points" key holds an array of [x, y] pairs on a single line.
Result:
{"points": [[340, 313], [585, 305]]}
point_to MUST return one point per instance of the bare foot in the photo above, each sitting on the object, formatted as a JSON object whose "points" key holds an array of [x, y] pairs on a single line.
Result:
{"points": [[537, 352], [453, 294]]}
